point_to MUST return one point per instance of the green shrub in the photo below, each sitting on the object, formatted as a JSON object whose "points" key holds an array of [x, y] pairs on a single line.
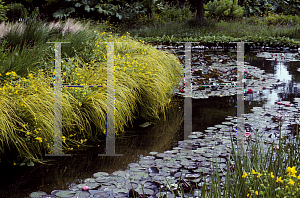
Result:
{"points": [[224, 9], [166, 15], [3, 10], [16, 11], [276, 19]]}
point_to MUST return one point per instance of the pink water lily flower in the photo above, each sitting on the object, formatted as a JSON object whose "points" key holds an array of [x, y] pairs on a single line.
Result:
{"points": [[287, 104], [85, 188], [280, 103], [250, 91], [247, 134]]}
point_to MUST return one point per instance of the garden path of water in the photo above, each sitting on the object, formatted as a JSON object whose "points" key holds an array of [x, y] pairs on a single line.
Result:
{"points": [[171, 158]]}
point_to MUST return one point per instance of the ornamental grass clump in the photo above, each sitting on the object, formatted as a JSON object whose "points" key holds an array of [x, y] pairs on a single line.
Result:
{"points": [[264, 170], [144, 81]]}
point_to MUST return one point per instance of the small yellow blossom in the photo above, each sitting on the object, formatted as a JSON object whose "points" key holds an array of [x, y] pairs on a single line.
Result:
{"points": [[259, 175], [256, 192], [39, 139], [245, 174], [271, 174], [253, 172], [291, 182], [278, 179], [291, 171]]}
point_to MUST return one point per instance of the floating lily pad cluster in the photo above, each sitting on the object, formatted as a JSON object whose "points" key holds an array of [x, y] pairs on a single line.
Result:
{"points": [[286, 57], [190, 163], [216, 75]]}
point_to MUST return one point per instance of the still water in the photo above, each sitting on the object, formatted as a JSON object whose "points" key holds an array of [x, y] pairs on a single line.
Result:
{"points": [[64, 172]]}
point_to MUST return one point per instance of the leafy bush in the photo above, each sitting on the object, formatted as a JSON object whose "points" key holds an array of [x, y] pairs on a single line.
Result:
{"points": [[256, 7], [16, 11], [3, 10], [276, 19], [224, 9], [167, 14]]}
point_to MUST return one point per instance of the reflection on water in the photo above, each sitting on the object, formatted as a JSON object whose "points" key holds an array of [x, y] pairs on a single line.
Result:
{"points": [[136, 142], [286, 72]]}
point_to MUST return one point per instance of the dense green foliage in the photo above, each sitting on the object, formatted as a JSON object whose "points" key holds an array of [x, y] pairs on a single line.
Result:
{"points": [[260, 7], [16, 11], [3, 10], [224, 9]]}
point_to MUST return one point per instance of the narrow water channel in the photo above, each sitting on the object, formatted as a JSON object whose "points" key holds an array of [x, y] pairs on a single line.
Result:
{"points": [[64, 172]]}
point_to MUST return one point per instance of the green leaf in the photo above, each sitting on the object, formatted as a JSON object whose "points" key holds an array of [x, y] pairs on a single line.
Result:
{"points": [[78, 4], [87, 8]]}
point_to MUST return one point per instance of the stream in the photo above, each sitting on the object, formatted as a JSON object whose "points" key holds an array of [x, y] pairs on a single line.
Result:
{"points": [[66, 173]]}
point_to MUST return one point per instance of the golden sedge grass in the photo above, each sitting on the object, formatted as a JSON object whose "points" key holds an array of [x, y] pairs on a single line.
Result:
{"points": [[143, 75]]}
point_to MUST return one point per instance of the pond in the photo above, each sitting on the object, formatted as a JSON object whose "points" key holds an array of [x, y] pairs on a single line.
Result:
{"points": [[64, 172]]}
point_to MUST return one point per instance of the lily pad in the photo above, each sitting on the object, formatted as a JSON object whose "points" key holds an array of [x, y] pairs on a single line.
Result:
{"points": [[88, 180], [100, 174], [101, 195], [82, 194], [65, 193], [144, 191], [37, 194]]}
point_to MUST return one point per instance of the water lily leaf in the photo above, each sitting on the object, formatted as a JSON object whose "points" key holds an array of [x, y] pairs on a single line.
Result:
{"points": [[192, 176], [103, 179], [82, 194], [100, 174], [129, 186], [101, 195], [121, 173], [153, 153], [159, 178], [89, 180], [93, 185], [65, 193], [137, 169], [37, 194]]}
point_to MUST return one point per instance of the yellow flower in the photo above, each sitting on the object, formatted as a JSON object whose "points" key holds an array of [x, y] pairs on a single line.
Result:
{"points": [[291, 182], [253, 172], [81, 141], [259, 175], [278, 179], [30, 75], [291, 171], [256, 192], [245, 174], [39, 139], [28, 133], [271, 174]]}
